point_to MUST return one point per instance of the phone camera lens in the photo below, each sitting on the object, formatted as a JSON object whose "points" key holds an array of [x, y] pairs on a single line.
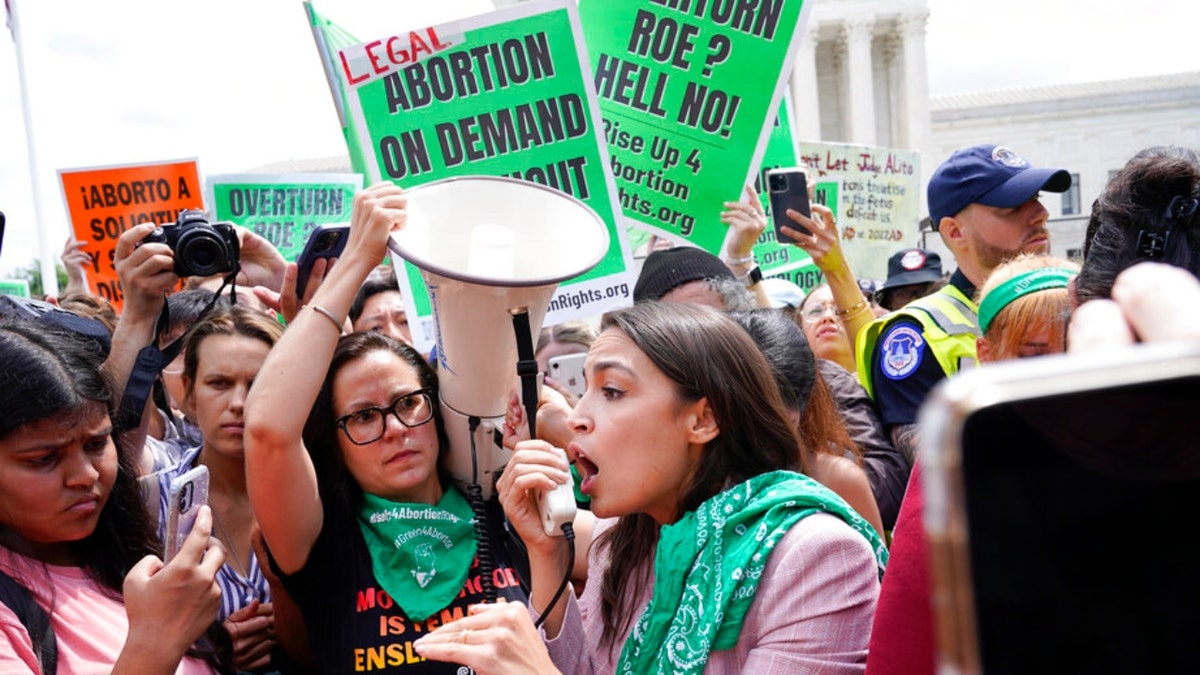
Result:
{"points": [[778, 183]]}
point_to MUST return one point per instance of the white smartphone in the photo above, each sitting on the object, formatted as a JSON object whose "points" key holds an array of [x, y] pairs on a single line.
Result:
{"points": [[567, 371], [186, 495], [1061, 498]]}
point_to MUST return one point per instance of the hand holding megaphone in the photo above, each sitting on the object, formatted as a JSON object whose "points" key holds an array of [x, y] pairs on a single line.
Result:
{"points": [[555, 505], [535, 480], [378, 211]]}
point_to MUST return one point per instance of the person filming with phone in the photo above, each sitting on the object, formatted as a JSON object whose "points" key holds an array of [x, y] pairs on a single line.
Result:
{"points": [[82, 584], [223, 353]]}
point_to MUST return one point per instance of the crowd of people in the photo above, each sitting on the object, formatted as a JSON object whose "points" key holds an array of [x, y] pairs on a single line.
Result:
{"points": [[744, 454]]}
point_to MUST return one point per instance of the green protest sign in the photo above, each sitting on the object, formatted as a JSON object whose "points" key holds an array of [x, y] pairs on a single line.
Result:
{"points": [[687, 90], [282, 208], [878, 199], [16, 287], [501, 94]]}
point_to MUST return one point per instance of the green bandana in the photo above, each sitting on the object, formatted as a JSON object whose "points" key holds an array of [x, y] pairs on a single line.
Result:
{"points": [[420, 554], [709, 564]]}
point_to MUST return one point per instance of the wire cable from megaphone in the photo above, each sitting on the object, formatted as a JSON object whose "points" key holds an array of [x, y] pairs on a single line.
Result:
{"points": [[527, 371], [483, 541]]}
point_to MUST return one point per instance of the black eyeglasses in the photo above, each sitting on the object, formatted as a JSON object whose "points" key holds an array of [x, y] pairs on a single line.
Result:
{"points": [[367, 425]]}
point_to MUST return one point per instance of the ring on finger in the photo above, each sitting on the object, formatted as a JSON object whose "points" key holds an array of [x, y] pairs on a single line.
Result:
{"points": [[462, 637]]}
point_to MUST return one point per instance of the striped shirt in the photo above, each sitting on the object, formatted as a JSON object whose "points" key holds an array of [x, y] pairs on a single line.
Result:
{"points": [[236, 591]]}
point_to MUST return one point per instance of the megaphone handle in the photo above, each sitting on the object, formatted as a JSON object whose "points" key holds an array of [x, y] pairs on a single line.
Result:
{"points": [[527, 368]]}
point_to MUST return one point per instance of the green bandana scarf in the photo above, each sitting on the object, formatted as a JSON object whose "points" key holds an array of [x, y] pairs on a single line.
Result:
{"points": [[420, 554], [709, 564]]}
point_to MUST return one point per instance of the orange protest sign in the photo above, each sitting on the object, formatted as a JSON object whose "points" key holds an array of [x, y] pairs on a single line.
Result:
{"points": [[103, 202]]}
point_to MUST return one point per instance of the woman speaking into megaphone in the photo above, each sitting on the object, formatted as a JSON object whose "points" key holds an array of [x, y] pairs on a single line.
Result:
{"points": [[343, 441]]}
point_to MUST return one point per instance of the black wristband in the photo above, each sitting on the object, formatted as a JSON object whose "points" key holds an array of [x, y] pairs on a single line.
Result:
{"points": [[752, 277]]}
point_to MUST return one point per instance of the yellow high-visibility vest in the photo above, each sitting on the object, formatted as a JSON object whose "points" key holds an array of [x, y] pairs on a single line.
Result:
{"points": [[949, 324]]}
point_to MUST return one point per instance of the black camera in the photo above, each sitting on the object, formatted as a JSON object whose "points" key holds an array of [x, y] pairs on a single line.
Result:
{"points": [[201, 248]]}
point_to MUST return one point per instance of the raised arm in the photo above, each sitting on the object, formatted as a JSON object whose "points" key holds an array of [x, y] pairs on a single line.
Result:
{"points": [[746, 223], [280, 477], [853, 308], [146, 273]]}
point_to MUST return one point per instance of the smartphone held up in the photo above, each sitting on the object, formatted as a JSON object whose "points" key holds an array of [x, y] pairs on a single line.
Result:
{"points": [[324, 242], [787, 188], [185, 496], [1060, 493]]}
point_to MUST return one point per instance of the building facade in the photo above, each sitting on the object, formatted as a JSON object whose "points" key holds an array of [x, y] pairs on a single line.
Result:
{"points": [[1089, 129]]}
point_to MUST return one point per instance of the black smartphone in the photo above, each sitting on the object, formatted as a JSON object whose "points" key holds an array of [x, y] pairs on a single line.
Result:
{"points": [[787, 188], [1060, 502], [325, 241]]}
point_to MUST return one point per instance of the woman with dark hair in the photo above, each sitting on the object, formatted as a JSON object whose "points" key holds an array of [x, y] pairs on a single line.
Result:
{"points": [[716, 557], [834, 459], [1148, 212], [75, 534], [343, 441]]}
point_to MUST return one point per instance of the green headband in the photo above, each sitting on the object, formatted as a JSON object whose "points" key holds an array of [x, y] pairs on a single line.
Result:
{"points": [[1030, 282]]}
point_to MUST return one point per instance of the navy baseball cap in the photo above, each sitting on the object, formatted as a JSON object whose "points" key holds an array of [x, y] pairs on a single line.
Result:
{"points": [[991, 175]]}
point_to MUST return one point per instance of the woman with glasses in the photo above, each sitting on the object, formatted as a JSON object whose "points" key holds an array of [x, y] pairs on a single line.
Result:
{"points": [[822, 324], [343, 441]]}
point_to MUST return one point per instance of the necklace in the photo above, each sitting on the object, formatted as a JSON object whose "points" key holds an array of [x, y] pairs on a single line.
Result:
{"points": [[243, 571]]}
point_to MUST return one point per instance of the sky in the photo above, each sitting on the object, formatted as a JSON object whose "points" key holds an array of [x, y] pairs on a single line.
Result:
{"points": [[237, 84]]}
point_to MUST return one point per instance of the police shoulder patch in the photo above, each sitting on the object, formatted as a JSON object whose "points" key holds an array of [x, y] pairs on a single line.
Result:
{"points": [[900, 351]]}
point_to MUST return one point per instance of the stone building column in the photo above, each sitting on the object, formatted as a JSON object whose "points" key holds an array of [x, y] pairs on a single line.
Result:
{"points": [[916, 80], [806, 107], [861, 81]]}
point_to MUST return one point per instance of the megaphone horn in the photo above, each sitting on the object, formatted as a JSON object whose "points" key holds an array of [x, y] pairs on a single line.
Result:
{"points": [[487, 248]]}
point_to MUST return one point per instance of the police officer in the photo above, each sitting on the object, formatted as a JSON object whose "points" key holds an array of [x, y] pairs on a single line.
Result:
{"points": [[984, 202]]}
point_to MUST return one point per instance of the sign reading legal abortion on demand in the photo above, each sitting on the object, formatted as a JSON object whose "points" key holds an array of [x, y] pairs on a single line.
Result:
{"points": [[688, 91], [500, 94], [283, 208], [877, 200], [103, 202]]}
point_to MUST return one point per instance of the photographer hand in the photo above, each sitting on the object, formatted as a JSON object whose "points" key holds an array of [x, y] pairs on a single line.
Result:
{"points": [[146, 272], [262, 263]]}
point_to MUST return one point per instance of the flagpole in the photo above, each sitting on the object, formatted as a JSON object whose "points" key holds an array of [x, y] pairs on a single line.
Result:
{"points": [[46, 248]]}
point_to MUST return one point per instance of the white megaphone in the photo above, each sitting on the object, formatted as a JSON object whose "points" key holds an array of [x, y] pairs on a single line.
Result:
{"points": [[489, 248]]}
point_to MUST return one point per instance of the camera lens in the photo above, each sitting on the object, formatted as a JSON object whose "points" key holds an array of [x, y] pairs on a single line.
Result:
{"points": [[777, 182], [327, 241], [202, 252]]}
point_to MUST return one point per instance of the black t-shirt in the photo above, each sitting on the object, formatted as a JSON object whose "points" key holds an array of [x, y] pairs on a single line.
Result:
{"points": [[354, 626]]}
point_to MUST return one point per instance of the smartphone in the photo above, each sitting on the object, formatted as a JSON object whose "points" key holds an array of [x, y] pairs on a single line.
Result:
{"points": [[787, 188], [567, 371], [1061, 498], [185, 496], [325, 241]]}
